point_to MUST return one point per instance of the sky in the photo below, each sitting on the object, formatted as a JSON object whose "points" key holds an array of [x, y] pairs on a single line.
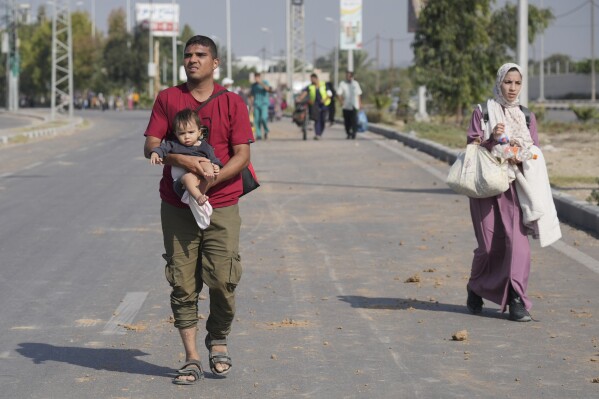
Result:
{"points": [[569, 34]]}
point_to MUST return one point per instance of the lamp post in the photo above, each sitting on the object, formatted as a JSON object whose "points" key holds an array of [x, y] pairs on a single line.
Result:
{"points": [[229, 60], [266, 30], [336, 67], [174, 43], [93, 19]]}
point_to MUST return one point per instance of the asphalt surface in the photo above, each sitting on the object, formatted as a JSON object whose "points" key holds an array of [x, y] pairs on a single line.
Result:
{"points": [[324, 310], [12, 121]]}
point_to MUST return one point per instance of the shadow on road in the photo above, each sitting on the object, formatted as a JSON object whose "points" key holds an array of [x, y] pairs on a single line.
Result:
{"points": [[120, 360], [352, 186], [357, 301]]}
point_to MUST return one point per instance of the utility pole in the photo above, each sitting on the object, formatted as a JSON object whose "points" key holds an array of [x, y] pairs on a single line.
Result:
{"points": [[542, 67], [151, 64], [378, 65], [391, 70], [229, 60], [12, 57], [175, 34], [336, 55], [592, 50], [289, 57], [93, 19], [298, 44], [62, 59], [523, 48]]}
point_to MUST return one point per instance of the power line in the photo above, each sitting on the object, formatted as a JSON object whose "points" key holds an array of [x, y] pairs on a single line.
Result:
{"points": [[584, 3]]}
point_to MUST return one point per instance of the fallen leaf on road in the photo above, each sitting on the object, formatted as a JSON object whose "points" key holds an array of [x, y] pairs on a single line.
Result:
{"points": [[413, 279], [461, 335]]}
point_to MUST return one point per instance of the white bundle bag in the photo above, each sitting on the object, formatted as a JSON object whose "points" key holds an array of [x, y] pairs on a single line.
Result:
{"points": [[478, 174]]}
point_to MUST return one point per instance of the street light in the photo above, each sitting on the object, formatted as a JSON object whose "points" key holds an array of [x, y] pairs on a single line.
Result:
{"points": [[266, 30], [93, 19], [174, 45], [336, 67], [228, 24]]}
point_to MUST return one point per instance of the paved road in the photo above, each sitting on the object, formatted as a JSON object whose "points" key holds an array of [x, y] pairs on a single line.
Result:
{"points": [[324, 311], [11, 121]]}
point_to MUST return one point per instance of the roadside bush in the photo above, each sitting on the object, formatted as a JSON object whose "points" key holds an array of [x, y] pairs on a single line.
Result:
{"points": [[556, 127], [584, 114], [539, 111], [374, 116], [446, 134], [594, 197], [381, 102]]}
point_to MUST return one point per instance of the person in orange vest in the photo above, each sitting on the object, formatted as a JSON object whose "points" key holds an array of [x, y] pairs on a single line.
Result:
{"points": [[319, 99]]}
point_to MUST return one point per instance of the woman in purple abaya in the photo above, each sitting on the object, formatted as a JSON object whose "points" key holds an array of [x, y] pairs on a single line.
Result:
{"points": [[501, 263]]}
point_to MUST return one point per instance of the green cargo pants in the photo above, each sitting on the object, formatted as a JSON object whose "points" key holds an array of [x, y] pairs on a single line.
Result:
{"points": [[194, 257]]}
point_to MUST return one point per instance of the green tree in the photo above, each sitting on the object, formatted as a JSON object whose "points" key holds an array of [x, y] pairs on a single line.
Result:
{"points": [[186, 34], [36, 58], [86, 56], [36, 54], [584, 66], [138, 57], [116, 54], [504, 29], [451, 52], [563, 62]]}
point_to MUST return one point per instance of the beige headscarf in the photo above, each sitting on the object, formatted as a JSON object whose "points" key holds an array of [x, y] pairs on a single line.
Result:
{"points": [[509, 113]]}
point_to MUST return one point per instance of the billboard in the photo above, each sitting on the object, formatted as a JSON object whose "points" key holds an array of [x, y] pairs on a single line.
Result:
{"points": [[164, 17], [414, 9], [351, 25]]}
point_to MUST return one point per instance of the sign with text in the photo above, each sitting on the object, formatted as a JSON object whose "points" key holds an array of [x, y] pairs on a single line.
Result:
{"points": [[351, 24], [414, 9], [162, 17]]}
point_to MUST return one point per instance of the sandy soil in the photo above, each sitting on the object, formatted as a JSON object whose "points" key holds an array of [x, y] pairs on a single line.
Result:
{"points": [[570, 155]]}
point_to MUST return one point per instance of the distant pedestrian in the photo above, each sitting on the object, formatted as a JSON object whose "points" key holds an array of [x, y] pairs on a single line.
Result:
{"points": [[331, 92], [350, 97], [228, 83], [319, 102], [260, 101]]}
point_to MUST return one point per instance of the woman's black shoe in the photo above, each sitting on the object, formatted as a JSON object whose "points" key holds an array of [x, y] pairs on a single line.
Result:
{"points": [[474, 302], [517, 310]]}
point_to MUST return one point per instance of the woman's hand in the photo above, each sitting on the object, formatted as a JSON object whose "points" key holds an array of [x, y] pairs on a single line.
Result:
{"points": [[498, 131]]}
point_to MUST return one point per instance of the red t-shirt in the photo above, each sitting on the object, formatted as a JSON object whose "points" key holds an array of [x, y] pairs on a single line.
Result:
{"points": [[227, 118]]}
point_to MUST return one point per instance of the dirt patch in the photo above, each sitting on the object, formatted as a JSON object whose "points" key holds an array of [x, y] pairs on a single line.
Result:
{"points": [[287, 323], [572, 162], [133, 327]]}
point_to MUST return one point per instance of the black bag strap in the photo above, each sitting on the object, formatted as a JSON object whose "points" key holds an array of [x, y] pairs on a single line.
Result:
{"points": [[212, 97], [202, 105], [525, 111]]}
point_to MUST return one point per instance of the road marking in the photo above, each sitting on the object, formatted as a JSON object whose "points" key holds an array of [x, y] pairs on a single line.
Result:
{"points": [[560, 246], [401, 152], [33, 165], [399, 362], [577, 255], [125, 313]]}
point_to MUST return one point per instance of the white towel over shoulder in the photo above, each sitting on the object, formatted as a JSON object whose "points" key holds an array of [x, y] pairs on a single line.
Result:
{"points": [[536, 200]]}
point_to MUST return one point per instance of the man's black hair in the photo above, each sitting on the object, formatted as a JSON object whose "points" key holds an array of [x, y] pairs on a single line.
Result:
{"points": [[203, 41]]}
